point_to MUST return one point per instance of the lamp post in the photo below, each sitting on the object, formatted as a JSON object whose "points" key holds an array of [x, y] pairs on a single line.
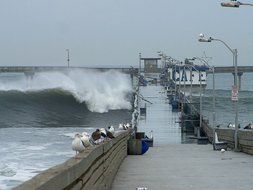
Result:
{"points": [[184, 83], [200, 94], [67, 56], [200, 102], [234, 4], [179, 87], [213, 72], [139, 64], [234, 52]]}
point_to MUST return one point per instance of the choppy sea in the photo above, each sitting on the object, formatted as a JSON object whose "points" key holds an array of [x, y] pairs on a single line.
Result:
{"points": [[224, 106], [39, 116]]}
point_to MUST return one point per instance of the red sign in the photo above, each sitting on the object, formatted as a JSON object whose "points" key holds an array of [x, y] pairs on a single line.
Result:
{"points": [[234, 93]]}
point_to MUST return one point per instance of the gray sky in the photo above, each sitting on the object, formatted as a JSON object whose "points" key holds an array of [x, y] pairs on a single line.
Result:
{"points": [[113, 32]]}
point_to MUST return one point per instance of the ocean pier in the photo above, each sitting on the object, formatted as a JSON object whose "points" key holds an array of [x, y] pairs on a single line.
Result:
{"points": [[30, 71], [192, 118], [34, 69], [190, 123], [121, 95], [177, 161], [191, 161], [182, 156]]}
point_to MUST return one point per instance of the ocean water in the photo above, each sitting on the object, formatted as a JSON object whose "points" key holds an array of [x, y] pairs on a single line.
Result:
{"points": [[224, 106], [40, 116]]}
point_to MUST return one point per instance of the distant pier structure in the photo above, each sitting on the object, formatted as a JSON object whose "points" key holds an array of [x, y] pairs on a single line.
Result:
{"points": [[185, 73], [231, 69], [29, 71], [151, 67]]}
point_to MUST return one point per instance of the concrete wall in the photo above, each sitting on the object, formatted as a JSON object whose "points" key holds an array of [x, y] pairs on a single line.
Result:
{"points": [[95, 170], [245, 137], [246, 141]]}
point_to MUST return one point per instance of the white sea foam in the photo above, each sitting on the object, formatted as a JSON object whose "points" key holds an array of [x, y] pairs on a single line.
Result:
{"points": [[35, 148], [71, 135], [81, 130], [101, 91], [21, 161], [15, 172]]}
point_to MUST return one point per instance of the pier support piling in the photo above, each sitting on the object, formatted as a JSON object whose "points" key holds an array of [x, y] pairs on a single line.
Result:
{"points": [[29, 75], [239, 80]]}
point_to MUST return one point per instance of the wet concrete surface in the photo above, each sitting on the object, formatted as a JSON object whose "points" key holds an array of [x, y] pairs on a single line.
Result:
{"points": [[175, 162], [159, 117]]}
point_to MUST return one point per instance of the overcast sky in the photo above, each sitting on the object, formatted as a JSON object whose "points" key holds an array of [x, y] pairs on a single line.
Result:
{"points": [[113, 32]]}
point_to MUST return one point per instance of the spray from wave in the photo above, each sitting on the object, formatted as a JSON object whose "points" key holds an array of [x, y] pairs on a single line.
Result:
{"points": [[101, 91]]}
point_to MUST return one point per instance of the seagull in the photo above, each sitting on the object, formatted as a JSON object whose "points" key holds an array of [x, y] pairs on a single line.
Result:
{"points": [[151, 134], [85, 133], [222, 153], [103, 132], [77, 144], [249, 126], [111, 129], [128, 125], [106, 134], [86, 139], [121, 126], [231, 125], [124, 126], [109, 134], [96, 135]]}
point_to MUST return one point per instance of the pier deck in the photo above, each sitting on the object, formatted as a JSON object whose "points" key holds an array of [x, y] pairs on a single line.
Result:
{"points": [[172, 165]]}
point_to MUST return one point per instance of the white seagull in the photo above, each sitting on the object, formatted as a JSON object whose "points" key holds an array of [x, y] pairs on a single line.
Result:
{"points": [[230, 125], [222, 153], [86, 139], [111, 129], [121, 126], [124, 126], [103, 132], [128, 125], [77, 144]]}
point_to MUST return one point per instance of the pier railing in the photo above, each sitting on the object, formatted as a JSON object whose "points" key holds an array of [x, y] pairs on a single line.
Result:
{"points": [[95, 170], [245, 137]]}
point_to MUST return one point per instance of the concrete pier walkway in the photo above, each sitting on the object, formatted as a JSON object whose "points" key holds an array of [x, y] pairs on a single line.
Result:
{"points": [[173, 165]]}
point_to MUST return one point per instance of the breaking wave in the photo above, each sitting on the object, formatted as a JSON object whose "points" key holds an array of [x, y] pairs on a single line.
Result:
{"points": [[100, 91]]}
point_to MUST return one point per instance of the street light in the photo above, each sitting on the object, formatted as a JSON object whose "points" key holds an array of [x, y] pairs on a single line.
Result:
{"points": [[200, 94], [212, 69], [139, 64], [235, 87], [234, 4], [67, 56]]}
